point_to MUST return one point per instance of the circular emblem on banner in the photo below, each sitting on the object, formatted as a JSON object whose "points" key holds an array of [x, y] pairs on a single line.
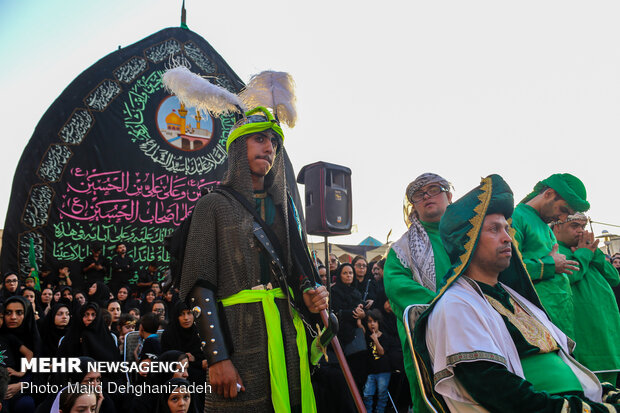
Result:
{"points": [[184, 128]]}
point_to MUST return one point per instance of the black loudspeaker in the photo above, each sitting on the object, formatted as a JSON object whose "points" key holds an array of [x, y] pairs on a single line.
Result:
{"points": [[328, 198]]}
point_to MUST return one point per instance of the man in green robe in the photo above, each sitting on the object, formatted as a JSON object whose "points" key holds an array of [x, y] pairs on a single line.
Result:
{"points": [[485, 344], [597, 321], [552, 199], [417, 262]]}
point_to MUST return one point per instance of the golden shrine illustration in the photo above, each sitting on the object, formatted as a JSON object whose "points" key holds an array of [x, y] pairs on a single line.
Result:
{"points": [[183, 128]]}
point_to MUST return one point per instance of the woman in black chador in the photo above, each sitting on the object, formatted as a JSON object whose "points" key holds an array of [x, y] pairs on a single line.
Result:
{"points": [[89, 336], [182, 334]]}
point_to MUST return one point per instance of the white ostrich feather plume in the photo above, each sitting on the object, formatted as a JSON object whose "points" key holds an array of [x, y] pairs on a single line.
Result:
{"points": [[274, 90], [195, 91]]}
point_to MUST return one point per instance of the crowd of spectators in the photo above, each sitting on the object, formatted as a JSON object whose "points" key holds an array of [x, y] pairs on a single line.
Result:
{"points": [[368, 335], [90, 315]]}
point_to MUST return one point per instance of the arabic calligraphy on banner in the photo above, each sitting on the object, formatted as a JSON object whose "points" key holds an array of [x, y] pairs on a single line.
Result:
{"points": [[118, 159]]}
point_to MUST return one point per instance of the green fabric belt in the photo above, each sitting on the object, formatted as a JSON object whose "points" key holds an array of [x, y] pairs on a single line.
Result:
{"points": [[548, 372], [275, 349]]}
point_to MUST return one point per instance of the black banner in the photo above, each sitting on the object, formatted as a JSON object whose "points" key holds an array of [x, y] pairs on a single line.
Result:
{"points": [[117, 159]]}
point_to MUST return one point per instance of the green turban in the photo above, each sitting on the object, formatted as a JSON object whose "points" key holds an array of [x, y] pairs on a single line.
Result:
{"points": [[256, 120], [568, 186], [461, 223], [460, 231]]}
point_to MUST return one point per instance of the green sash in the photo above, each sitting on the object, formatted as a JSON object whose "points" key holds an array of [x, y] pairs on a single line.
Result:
{"points": [[275, 349]]}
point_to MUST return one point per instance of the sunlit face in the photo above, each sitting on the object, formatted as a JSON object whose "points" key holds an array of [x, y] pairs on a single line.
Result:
{"points": [[29, 295], [360, 268], [115, 311], [67, 294], [494, 249], [431, 208], [122, 294], [178, 401], [182, 374], [86, 403], [127, 328], [186, 319], [93, 289], [46, 296], [346, 275], [80, 298], [159, 308], [373, 325], [10, 283], [14, 315], [62, 317], [89, 317], [616, 262], [262, 148]]}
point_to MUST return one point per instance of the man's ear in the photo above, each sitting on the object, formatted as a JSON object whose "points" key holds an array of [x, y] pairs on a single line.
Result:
{"points": [[549, 193], [449, 195]]}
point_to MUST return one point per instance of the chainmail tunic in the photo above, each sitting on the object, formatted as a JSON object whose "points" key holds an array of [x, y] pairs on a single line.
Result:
{"points": [[222, 250]]}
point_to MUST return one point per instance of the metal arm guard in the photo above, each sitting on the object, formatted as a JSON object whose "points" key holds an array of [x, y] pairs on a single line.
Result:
{"points": [[204, 306]]}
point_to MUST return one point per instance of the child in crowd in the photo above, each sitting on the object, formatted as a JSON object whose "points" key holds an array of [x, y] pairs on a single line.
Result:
{"points": [[379, 368], [151, 347]]}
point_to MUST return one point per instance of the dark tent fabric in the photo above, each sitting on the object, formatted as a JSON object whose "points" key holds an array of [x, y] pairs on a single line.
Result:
{"points": [[117, 159]]}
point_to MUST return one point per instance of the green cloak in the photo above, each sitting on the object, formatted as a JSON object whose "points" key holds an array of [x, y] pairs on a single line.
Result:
{"points": [[402, 291], [535, 241], [597, 321]]}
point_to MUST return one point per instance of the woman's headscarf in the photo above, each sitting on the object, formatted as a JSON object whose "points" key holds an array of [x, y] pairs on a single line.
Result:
{"points": [[128, 303], [101, 296], [145, 306], [179, 338], [5, 292], [94, 340], [50, 333], [345, 296], [162, 406], [27, 332]]}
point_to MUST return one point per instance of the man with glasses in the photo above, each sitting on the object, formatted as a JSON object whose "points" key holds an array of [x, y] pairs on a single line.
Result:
{"points": [[416, 263], [552, 199]]}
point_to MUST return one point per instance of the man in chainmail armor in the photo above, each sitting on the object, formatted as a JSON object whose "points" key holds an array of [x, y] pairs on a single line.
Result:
{"points": [[253, 338]]}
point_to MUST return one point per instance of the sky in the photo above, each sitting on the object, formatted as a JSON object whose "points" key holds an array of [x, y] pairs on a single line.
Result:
{"points": [[390, 89]]}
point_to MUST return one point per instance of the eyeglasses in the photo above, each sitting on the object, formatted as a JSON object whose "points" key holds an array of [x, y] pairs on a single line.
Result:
{"points": [[431, 192], [10, 281], [334, 260], [359, 265]]}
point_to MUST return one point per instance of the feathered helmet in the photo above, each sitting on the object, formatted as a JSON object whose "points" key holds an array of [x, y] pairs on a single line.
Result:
{"points": [[266, 90]]}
